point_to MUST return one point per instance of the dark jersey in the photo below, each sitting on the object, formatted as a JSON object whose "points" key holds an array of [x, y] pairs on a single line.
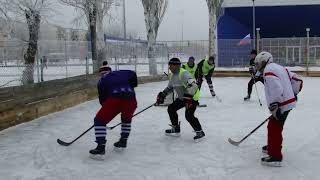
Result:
{"points": [[199, 72], [252, 62], [119, 84]]}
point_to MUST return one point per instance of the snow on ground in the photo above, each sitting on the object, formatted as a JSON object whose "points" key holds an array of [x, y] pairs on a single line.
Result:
{"points": [[29, 151], [10, 76]]}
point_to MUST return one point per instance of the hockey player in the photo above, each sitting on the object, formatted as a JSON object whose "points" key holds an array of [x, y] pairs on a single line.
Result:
{"points": [[256, 76], [116, 95], [191, 67], [205, 69], [280, 99], [105, 63], [188, 95]]}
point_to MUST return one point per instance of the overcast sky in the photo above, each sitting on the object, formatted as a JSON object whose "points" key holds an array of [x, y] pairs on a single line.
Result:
{"points": [[191, 14]]}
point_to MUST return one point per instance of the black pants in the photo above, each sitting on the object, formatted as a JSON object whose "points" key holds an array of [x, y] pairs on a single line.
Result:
{"points": [[251, 83], [200, 80], [189, 114], [280, 117]]}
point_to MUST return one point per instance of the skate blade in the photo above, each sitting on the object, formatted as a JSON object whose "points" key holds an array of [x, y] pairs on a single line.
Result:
{"points": [[119, 149], [199, 140], [173, 134], [271, 164], [98, 157], [264, 151]]}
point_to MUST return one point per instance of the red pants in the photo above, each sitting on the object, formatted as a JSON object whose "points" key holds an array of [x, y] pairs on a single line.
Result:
{"points": [[275, 138], [113, 106]]}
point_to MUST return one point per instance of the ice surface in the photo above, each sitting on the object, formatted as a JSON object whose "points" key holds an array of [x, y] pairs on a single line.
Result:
{"points": [[29, 151]]}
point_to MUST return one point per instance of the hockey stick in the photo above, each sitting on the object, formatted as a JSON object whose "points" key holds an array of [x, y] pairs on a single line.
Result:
{"points": [[254, 81], [218, 98], [112, 127], [166, 105], [163, 76], [236, 143], [63, 143]]}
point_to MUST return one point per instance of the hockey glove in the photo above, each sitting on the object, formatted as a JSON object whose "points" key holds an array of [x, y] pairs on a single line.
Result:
{"points": [[160, 98], [251, 70], [133, 81], [188, 101], [199, 81], [275, 110]]}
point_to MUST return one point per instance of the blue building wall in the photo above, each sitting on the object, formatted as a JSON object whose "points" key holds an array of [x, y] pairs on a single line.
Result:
{"points": [[274, 22]]}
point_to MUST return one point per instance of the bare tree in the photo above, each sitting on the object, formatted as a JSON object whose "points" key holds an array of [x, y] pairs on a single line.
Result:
{"points": [[215, 10], [94, 10], [154, 11], [116, 30], [31, 11], [103, 7], [7, 25], [3, 11]]}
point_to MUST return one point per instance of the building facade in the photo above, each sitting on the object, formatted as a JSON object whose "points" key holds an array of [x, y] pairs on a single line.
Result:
{"points": [[284, 19]]}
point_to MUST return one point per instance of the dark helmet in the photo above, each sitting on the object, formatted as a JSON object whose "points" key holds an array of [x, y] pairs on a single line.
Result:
{"points": [[174, 61], [191, 58], [253, 51]]}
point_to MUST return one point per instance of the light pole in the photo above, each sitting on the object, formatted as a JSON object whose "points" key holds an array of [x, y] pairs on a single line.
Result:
{"points": [[181, 42], [182, 14], [253, 25]]}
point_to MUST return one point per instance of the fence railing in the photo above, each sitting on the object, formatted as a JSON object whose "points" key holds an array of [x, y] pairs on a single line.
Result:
{"points": [[61, 59]]}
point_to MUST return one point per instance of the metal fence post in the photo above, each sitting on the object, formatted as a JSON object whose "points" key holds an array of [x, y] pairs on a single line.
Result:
{"points": [[307, 50], [135, 63], [258, 40], [116, 63], [87, 65], [41, 66], [37, 65], [65, 55]]}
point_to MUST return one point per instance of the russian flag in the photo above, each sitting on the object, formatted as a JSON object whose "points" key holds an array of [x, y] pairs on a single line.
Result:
{"points": [[245, 41]]}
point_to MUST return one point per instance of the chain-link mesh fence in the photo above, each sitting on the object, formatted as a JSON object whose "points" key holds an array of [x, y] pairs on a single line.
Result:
{"points": [[293, 51], [61, 59], [232, 54]]}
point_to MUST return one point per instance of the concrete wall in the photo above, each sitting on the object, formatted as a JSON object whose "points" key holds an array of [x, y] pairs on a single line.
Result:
{"points": [[25, 103]]}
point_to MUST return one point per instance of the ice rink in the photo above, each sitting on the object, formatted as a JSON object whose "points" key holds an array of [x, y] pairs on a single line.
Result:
{"points": [[29, 151]]}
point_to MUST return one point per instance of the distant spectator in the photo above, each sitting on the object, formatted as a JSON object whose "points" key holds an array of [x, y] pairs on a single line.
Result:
{"points": [[44, 61], [104, 63]]}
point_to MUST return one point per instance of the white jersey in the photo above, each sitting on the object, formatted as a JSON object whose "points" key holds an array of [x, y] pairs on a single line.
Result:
{"points": [[278, 87]]}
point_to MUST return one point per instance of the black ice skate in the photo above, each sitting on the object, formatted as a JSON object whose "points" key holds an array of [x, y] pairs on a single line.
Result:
{"points": [[271, 161], [174, 131], [213, 94], [199, 136], [121, 144], [247, 98], [265, 149], [98, 153]]}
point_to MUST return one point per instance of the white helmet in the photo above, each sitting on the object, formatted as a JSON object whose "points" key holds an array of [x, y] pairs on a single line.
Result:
{"points": [[263, 56], [262, 59]]}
